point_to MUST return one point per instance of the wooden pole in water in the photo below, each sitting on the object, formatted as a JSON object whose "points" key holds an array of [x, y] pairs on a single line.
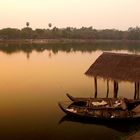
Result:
{"points": [[95, 85], [138, 90], [107, 92], [115, 89], [135, 91]]}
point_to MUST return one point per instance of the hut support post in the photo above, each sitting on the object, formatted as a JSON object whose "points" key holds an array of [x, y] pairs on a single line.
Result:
{"points": [[115, 89], [136, 93], [95, 85], [138, 90], [107, 92]]}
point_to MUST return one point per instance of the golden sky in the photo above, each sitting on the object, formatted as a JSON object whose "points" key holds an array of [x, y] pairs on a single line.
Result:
{"points": [[119, 14]]}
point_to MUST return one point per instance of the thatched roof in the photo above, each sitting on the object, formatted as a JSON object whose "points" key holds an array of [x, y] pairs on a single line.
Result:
{"points": [[116, 66]]}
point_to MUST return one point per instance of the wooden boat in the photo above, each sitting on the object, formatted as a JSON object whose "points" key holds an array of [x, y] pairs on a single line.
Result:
{"points": [[74, 98], [130, 102], [101, 112], [82, 98]]}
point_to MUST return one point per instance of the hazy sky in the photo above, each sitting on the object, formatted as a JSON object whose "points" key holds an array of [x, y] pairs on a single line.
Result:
{"points": [[119, 14]]}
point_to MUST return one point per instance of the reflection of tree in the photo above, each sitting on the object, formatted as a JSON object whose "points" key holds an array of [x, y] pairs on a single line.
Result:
{"points": [[70, 47], [28, 55], [50, 54]]}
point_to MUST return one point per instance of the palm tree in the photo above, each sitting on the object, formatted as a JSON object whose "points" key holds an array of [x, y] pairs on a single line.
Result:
{"points": [[50, 25], [27, 24]]}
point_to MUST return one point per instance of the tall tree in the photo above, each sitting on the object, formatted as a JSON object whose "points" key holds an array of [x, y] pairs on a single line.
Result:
{"points": [[50, 25], [27, 24]]}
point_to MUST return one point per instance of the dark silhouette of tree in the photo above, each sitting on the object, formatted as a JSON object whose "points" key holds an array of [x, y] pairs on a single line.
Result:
{"points": [[27, 24], [70, 33], [10, 33], [50, 25], [27, 33]]}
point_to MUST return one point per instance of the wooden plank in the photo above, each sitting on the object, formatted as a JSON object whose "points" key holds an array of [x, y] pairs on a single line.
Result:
{"points": [[95, 85]]}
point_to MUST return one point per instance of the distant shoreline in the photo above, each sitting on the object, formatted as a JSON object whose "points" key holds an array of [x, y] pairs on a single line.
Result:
{"points": [[53, 41]]}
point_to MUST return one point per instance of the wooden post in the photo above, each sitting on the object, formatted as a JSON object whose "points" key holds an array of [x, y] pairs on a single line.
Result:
{"points": [[107, 92], [135, 92], [115, 89], [138, 90], [95, 85]]}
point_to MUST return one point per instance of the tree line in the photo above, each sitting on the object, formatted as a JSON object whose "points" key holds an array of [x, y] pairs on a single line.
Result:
{"points": [[133, 33]]}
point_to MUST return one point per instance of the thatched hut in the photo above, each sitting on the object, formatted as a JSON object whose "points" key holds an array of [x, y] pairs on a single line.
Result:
{"points": [[116, 67]]}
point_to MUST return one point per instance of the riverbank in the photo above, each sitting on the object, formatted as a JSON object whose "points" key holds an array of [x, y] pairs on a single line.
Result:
{"points": [[63, 40]]}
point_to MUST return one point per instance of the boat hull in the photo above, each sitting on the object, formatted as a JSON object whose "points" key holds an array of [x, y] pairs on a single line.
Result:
{"points": [[95, 118]]}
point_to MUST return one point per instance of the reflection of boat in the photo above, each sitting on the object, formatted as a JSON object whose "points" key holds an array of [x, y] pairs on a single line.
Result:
{"points": [[118, 126], [130, 102], [97, 109]]}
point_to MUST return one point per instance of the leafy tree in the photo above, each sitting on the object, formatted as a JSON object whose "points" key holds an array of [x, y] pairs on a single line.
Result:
{"points": [[70, 33], [9, 33], [27, 33]]}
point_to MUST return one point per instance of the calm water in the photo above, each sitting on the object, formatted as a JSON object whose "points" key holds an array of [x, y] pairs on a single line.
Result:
{"points": [[35, 78]]}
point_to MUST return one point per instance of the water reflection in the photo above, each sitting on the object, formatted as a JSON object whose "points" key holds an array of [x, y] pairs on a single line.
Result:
{"points": [[30, 89], [117, 126], [73, 47]]}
